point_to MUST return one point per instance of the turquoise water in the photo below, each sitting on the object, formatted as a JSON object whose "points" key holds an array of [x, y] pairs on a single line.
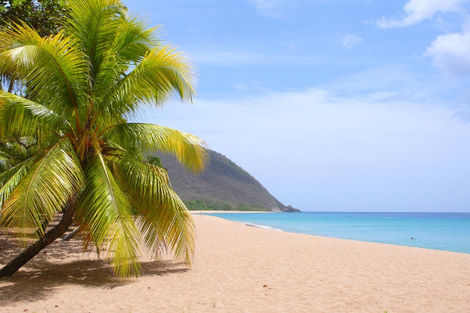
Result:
{"points": [[442, 231]]}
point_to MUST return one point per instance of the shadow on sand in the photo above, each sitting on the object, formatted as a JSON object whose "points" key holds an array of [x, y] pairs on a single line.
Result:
{"points": [[54, 268]]}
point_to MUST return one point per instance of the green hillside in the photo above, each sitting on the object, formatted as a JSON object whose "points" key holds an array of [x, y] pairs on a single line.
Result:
{"points": [[222, 186]]}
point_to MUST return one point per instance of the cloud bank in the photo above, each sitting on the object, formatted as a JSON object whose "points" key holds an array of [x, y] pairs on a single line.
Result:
{"points": [[319, 150], [416, 11]]}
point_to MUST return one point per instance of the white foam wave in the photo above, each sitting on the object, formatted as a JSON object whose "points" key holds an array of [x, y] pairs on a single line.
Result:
{"points": [[262, 226]]}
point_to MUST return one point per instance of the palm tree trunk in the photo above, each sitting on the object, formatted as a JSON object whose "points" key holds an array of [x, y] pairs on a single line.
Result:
{"points": [[35, 248], [10, 86]]}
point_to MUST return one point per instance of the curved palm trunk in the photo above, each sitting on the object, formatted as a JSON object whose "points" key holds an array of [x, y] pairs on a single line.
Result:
{"points": [[10, 86], [30, 252]]}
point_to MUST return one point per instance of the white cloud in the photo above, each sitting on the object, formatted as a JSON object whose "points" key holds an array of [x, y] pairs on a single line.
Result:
{"points": [[451, 53], [270, 8], [313, 141], [419, 10], [266, 4], [351, 40]]}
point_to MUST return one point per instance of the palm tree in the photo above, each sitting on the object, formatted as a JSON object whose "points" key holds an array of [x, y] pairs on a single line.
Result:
{"points": [[67, 150]]}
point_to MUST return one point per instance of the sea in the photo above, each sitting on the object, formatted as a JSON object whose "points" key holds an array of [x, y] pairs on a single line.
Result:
{"points": [[440, 231]]}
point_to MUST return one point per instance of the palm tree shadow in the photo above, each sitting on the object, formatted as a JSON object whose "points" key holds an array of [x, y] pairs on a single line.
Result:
{"points": [[41, 276]]}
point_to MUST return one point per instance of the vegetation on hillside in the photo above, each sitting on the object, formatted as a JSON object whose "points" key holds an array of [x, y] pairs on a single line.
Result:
{"points": [[66, 149], [222, 186], [200, 205]]}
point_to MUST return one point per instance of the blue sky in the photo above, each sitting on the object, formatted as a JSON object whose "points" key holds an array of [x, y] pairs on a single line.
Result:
{"points": [[333, 105]]}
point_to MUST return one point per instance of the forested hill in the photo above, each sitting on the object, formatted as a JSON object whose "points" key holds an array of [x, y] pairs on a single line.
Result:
{"points": [[222, 186]]}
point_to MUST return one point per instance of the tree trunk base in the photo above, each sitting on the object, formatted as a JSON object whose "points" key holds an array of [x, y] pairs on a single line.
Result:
{"points": [[30, 252]]}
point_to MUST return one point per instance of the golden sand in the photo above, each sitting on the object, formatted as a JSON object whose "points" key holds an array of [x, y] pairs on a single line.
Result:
{"points": [[246, 269]]}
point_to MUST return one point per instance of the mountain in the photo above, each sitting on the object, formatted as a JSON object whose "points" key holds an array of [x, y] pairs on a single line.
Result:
{"points": [[222, 186]]}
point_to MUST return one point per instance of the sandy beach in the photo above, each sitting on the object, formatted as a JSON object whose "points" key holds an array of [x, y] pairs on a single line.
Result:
{"points": [[238, 268]]}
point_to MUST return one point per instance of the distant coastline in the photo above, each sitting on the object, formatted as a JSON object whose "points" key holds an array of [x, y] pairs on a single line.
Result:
{"points": [[226, 211]]}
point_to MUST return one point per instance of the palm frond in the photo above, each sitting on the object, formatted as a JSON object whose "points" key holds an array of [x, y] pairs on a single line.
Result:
{"points": [[11, 153], [105, 215], [163, 217], [53, 68], [10, 178], [187, 148], [93, 23], [160, 74], [132, 41], [53, 179], [22, 117]]}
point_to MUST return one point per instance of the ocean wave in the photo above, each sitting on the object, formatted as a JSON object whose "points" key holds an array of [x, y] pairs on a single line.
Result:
{"points": [[262, 226]]}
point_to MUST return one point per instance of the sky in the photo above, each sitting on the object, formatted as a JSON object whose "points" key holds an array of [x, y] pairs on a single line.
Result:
{"points": [[333, 105]]}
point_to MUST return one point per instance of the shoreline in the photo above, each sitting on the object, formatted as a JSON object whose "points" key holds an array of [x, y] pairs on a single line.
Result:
{"points": [[251, 224], [338, 238], [224, 212], [238, 268]]}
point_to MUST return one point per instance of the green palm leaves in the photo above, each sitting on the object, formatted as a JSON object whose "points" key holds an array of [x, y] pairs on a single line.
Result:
{"points": [[186, 147], [53, 178], [79, 86], [106, 215]]}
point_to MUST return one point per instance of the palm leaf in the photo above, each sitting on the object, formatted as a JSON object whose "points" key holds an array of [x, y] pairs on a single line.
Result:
{"points": [[132, 41], [93, 24], [52, 180], [161, 73], [10, 178], [187, 148], [163, 217], [53, 68], [105, 215], [28, 117]]}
